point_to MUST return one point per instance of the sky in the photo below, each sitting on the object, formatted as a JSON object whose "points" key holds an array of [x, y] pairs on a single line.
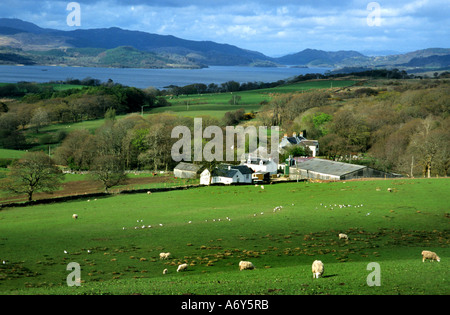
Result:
{"points": [[273, 27]]}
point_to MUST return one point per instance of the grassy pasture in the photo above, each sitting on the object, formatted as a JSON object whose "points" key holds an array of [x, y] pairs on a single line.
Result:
{"points": [[216, 105], [11, 154], [388, 228]]}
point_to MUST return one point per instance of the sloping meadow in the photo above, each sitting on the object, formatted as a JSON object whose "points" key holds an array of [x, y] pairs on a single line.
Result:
{"points": [[280, 228]]}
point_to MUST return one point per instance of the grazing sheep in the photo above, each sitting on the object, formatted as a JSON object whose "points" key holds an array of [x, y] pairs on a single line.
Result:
{"points": [[317, 269], [389, 189], [75, 216], [343, 236], [426, 254], [182, 267], [164, 255], [165, 271], [243, 265]]}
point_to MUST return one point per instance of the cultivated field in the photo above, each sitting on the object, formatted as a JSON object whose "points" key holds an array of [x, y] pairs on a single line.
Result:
{"points": [[282, 229]]}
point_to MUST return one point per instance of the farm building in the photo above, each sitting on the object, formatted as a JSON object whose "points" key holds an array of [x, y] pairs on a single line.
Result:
{"points": [[187, 170], [261, 165], [330, 170], [226, 174], [289, 141], [299, 140]]}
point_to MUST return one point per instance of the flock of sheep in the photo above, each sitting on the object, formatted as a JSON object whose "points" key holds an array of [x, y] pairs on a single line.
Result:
{"points": [[317, 266]]}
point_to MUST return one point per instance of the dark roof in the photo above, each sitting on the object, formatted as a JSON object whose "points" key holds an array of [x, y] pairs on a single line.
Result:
{"points": [[295, 140], [189, 167], [224, 170]]}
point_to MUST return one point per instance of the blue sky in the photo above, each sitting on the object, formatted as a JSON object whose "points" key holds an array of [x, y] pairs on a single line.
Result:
{"points": [[273, 27]]}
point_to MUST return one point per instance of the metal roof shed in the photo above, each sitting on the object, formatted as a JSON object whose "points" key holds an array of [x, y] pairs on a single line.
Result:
{"points": [[331, 170], [187, 170]]}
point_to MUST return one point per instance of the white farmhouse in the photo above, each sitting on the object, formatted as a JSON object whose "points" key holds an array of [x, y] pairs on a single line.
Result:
{"points": [[226, 174], [299, 140], [259, 165]]}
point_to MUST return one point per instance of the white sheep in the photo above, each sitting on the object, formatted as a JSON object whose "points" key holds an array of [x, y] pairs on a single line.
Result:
{"points": [[164, 255], [343, 236], [165, 271], [317, 269], [75, 216], [426, 254], [243, 265], [182, 267]]}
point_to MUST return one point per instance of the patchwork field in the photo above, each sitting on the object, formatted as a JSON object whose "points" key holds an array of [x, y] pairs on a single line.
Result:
{"points": [[281, 229]]}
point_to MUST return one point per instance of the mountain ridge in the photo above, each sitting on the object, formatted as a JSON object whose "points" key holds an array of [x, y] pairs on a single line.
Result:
{"points": [[26, 41]]}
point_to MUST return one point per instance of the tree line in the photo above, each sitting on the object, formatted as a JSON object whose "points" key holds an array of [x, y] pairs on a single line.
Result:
{"points": [[403, 126], [42, 105]]}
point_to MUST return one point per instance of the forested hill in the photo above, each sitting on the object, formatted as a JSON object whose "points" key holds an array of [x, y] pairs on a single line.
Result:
{"points": [[26, 43]]}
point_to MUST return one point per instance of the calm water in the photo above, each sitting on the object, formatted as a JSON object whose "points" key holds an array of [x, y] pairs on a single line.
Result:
{"points": [[158, 78]]}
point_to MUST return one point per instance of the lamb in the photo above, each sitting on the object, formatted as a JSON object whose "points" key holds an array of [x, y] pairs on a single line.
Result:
{"points": [[182, 267], [317, 269], [426, 254], [243, 265], [164, 255], [75, 216], [343, 236]]}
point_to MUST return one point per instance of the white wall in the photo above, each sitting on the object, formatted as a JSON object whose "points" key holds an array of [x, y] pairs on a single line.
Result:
{"points": [[205, 177]]}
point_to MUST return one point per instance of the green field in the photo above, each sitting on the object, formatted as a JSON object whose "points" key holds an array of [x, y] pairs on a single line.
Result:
{"points": [[388, 228], [216, 105], [10, 154]]}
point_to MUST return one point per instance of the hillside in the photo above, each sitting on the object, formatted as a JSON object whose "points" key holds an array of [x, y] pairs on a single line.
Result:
{"points": [[213, 228], [23, 35], [314, 57], [35, 45]]}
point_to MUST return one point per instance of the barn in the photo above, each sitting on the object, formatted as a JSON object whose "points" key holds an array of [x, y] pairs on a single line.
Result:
{"points": [[331, 170], [187, 170]]}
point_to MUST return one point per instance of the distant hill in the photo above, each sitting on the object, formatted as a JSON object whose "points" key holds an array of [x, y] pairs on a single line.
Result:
{"points": [[22, 42], [313, 57], [433, 61], [20, 34], [21, 26]]}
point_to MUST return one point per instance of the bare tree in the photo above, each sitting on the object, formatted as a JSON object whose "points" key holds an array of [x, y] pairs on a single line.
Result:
{"points": [[110, 170], [35, 172]]}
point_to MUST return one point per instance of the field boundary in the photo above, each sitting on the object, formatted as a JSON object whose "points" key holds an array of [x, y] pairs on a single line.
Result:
{"points": [[124, 192], [157, 190]]}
